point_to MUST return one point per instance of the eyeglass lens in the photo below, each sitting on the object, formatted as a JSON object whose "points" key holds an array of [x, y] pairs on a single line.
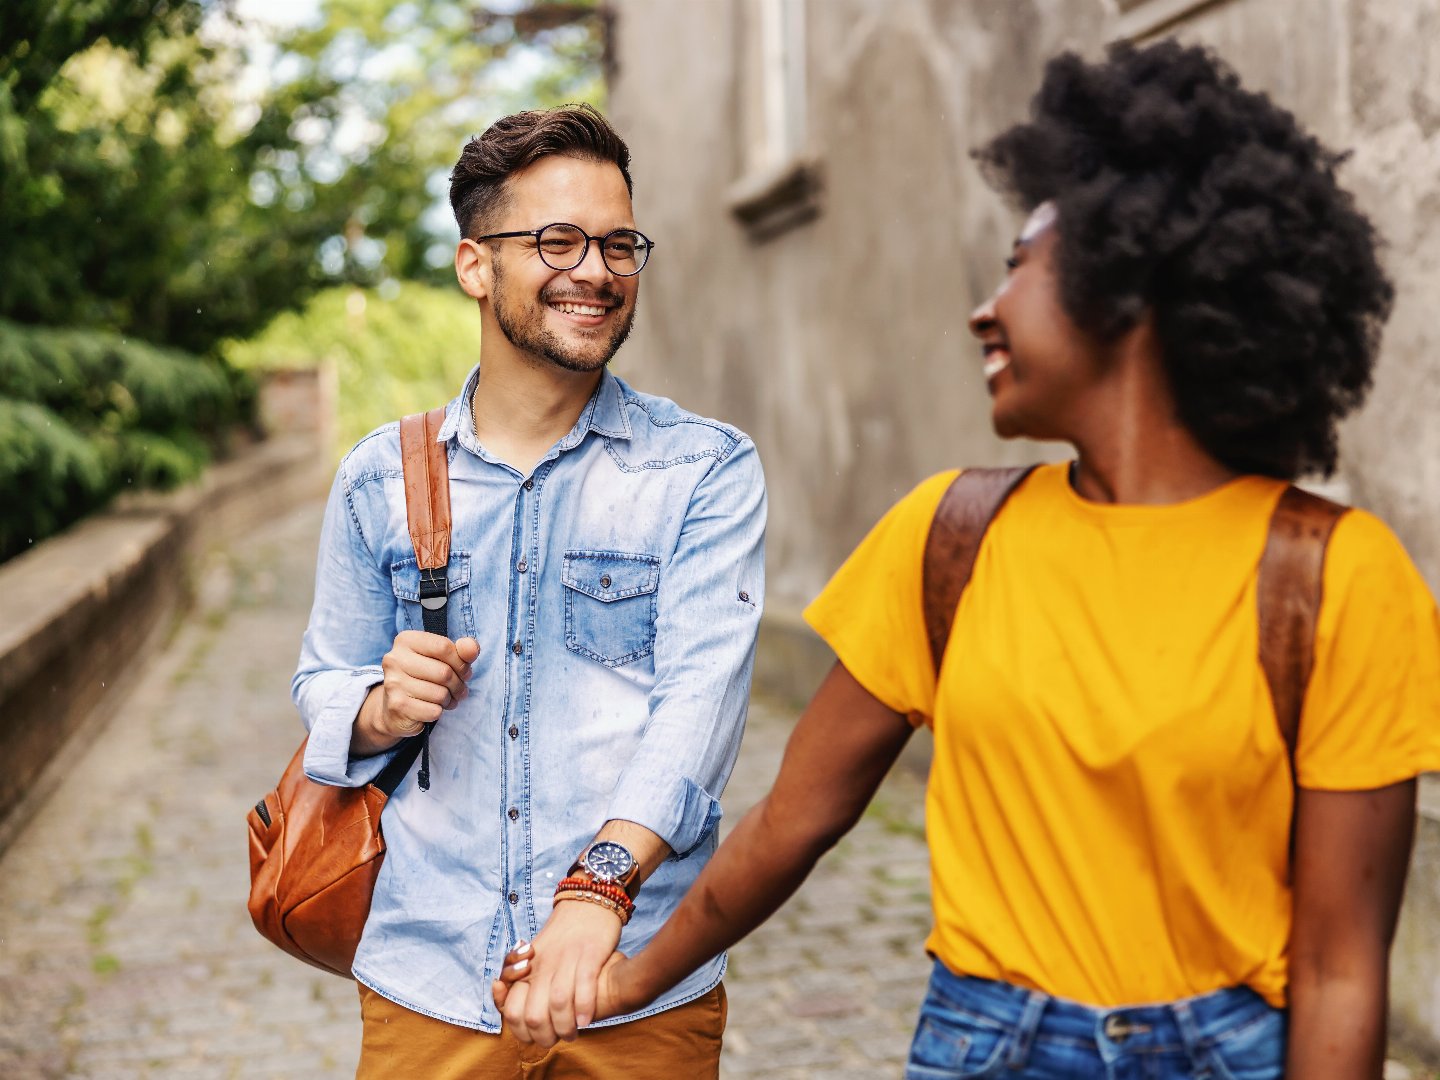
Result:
{"points": [[563, 247]]}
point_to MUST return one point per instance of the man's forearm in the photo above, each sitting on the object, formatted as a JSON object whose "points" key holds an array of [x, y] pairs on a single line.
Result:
{"points": [[647, 848], [1337, 1027]]}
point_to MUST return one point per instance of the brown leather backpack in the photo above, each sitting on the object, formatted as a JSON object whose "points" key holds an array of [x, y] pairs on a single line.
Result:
{"points": [[1288, 598], [315, 850]]}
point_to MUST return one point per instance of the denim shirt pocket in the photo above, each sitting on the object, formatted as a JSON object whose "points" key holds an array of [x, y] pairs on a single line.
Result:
{"points": [[610, 604], [405, 581]]}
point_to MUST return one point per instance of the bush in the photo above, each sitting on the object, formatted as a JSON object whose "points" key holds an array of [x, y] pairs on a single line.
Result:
{"points": [[84, 414], [397, 351]]}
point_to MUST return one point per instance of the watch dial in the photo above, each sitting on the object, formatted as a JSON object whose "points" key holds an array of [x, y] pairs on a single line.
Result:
{"points": [[608, 861]]}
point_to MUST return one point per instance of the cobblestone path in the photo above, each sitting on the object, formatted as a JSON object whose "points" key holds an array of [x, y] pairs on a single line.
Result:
{"points": [[126, 951]]}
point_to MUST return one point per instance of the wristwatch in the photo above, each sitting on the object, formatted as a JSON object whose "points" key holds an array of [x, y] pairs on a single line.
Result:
{"points": [[611, 863]]}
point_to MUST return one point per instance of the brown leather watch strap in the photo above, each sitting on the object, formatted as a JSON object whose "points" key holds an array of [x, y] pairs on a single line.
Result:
{"points": [[965, 512], [427, 487], [1288, 594]]}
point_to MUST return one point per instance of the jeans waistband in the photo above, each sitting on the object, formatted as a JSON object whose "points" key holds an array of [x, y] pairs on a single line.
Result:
{"points": [[1191, 1023]]}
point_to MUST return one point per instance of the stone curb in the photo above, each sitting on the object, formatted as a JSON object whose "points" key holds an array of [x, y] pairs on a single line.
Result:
{"points": [[85, 607]]}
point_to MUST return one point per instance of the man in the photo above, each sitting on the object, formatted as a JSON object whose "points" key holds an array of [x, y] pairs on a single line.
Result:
{"points": [[606, 580]]}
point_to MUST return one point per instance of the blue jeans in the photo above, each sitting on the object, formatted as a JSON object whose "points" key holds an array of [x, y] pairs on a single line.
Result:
{"points": [[972, 1028]]}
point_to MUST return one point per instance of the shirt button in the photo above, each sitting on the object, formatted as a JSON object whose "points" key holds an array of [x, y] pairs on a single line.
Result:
{"points": [[521, 566], [529, 485], [514, 814], [744, 597], [516, 648], [604, 581], [514, 898], [514, 732]]}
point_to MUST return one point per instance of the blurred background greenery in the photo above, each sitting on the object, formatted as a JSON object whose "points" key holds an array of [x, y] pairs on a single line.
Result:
{"points": [[195, 190]]}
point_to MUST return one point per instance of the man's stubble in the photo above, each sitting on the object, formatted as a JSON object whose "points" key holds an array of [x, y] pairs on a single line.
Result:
{"points": [[525, 329]]}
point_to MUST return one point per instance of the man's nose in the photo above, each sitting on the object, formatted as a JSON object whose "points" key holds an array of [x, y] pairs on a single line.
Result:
{"points": [[592, 267], [982, 319]]}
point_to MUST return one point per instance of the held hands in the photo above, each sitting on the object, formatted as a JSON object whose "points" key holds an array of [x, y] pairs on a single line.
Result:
{"points": [[425, 674], [550, 989]]}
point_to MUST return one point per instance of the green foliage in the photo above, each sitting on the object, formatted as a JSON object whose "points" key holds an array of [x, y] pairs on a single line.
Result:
{"points": [[138, 194], [85, 414], [420, 77], [396, 350], [144, 199], [131, 200]]}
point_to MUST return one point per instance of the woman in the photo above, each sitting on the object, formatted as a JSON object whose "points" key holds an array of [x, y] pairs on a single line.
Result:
{"points": [[1193, 304]]}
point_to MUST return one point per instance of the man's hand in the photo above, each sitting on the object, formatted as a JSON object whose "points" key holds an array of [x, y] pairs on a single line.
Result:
{"points": [[548, 990], [425, 674]]}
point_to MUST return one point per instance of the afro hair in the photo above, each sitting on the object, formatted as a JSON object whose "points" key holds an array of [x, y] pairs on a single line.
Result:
{"points": [[1180, 193]]}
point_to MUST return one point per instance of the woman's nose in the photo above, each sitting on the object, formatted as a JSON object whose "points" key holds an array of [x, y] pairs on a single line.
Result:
{"points": [[982, 319]]}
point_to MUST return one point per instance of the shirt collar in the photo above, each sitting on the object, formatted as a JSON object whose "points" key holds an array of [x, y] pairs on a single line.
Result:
{"points": [[603, 414]]}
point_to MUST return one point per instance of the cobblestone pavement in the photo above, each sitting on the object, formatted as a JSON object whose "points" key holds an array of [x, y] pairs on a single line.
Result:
{"points": [[126, 951]]}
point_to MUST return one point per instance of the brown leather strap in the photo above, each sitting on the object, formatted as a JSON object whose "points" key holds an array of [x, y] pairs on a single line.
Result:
{"points": [[427, 487], [965, 512], [1288, 594]]}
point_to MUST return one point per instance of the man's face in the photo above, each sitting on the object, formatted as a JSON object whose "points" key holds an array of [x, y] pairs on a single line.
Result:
{"points": [[574, 319]]}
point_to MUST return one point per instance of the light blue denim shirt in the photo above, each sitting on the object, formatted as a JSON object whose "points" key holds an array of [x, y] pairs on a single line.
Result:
{"points": [[615, 593]]}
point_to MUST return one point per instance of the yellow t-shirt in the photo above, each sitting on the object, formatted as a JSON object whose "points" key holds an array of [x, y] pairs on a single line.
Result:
{"points": [[1109, 805]]}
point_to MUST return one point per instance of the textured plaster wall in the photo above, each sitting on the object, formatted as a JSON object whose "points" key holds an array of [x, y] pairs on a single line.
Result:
{"points": [[841, 346]]}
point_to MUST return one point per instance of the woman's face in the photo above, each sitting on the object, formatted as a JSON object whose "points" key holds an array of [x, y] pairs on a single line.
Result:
{"points": [[1039, 365]]}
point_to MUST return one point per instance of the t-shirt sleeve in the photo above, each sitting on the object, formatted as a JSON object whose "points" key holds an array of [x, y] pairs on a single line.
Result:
{"points": [[872, 613], [1372, 711]]}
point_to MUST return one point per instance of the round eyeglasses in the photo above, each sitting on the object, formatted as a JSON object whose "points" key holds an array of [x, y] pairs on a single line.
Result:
{"points": [[563, 247]]}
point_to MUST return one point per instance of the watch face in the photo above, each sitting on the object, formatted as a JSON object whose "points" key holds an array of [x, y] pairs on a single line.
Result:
{"points": [[608, 861]]}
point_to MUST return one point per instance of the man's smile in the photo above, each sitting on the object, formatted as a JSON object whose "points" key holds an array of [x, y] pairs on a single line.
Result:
{"points": [[589, 312]]}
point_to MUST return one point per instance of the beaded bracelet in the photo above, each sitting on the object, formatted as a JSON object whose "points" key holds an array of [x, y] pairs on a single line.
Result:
{"points": [[596, 898], [604, 888]]}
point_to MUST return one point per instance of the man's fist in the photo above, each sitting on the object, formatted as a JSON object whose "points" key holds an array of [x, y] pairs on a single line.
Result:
{"points": [[425, 674]]}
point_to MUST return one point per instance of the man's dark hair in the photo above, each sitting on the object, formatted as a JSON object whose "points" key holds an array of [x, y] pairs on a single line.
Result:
{"points": [[1180, 192], [477, 183]]}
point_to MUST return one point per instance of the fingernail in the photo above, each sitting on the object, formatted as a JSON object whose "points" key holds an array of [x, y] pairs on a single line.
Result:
{"points": [[522, 947], [520, 965]]}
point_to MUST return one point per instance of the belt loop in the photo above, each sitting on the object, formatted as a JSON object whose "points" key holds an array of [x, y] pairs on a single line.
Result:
{"points": [[1193, 1040], [1025, 1030]]}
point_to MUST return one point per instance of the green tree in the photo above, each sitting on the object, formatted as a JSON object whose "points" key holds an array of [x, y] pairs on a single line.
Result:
{"points": [[388, 93]]}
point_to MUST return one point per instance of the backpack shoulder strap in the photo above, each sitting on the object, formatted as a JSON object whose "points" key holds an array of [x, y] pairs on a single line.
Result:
{"points": [[966, 509], [427, 487], [1288, 594], [427, 513]]}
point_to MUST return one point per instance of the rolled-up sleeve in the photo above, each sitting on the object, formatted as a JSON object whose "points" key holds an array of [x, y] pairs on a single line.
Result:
{"points": [[352, 625], [707, 617]]}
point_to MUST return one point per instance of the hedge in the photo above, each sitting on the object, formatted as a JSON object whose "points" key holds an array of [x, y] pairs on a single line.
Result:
{"points": [[85, 414]]}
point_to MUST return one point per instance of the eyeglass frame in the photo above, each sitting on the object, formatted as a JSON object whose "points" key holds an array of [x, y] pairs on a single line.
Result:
{"points": [[584, 254]]}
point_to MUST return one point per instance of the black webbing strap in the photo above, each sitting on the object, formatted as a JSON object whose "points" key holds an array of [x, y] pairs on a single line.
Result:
{"points": [[434, 608]]}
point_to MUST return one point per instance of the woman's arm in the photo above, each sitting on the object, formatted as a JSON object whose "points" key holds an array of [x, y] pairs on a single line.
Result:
{"points": [[1352, 850], [839, 752]]}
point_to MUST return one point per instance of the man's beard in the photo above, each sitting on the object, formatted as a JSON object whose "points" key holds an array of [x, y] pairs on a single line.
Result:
{"points": [[526, 330]]}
